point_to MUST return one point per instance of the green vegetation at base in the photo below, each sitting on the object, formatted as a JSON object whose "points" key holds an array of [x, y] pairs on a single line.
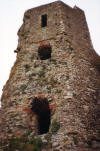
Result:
{"points": [[26, 142], [22, 144]]}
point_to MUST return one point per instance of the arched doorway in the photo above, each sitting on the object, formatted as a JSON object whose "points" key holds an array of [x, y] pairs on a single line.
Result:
{"points": [[40, 107]]}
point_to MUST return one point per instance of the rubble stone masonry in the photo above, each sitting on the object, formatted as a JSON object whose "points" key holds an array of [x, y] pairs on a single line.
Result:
{"points": [[69, 79]]}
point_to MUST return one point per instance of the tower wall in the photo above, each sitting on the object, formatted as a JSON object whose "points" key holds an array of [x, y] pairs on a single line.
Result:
{"points": [[69, 79]]}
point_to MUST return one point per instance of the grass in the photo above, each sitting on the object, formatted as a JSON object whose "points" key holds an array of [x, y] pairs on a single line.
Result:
{"points": [[67, 77], [26, 142], [75, 140], [23, 88], [9, 131], [22, 144], [55, 126], [27, 67], [53, 81], [58, 91], [54, 61], [89, 144], [32, 57], [41, 73], [48, 137]]}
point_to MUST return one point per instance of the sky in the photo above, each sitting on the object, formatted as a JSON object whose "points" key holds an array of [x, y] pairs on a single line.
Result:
{"points": [[11, 16]]}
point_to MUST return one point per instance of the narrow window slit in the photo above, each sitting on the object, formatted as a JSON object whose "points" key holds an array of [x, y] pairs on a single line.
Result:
{"points": [[44, 20], [40, 107]]}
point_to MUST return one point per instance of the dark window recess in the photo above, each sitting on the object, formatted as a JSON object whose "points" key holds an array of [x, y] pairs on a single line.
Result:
{"points": [[41, 108], [44, 20], [44, 52]]}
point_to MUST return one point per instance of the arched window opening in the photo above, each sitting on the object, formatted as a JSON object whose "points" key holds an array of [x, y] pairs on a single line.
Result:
{"points": [[40, 107], [44, 51]]}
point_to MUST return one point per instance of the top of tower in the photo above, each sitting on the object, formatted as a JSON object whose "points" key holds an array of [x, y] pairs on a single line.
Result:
{"points": [[52, 16], [45, 22], [57, 2]]}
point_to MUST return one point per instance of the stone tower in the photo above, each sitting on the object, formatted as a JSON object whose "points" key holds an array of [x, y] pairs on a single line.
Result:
{"points": [[54, 86]]}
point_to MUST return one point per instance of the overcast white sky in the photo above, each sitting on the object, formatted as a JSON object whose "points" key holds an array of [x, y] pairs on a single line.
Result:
{"points": [[11, 15]]}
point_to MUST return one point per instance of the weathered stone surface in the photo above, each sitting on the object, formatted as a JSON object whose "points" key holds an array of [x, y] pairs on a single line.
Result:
{"points": [[70, 80]]}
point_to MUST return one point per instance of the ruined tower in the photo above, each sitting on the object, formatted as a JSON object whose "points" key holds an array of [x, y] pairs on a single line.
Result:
{"points": [[54, 86]]}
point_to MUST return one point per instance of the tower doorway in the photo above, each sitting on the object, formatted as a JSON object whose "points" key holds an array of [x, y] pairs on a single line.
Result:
{"points": [[40, 107]]}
